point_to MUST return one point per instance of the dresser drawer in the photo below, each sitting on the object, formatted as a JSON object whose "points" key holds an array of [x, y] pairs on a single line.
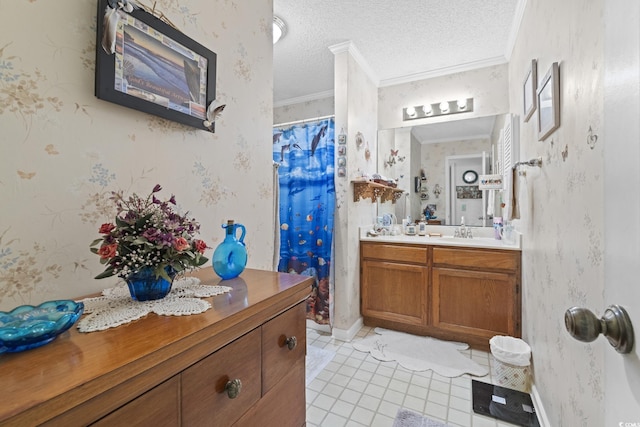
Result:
{"points": [[397, 253], [478, 258], [277, 358], [159, 406], [204, 398]]}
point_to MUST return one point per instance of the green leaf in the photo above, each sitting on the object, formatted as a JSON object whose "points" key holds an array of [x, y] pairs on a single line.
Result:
{"points": [[107, 273], [95, 242]]}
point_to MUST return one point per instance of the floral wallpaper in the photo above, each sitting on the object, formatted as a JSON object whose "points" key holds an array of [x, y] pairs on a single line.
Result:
{"points": [[65, 150], [562, 207]]}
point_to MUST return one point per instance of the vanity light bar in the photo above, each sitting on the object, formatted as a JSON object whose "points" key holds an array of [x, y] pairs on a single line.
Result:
{"points": [[438, 109]]}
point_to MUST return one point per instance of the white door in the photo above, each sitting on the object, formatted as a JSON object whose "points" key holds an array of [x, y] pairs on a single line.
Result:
{"points": [[621, 139]]}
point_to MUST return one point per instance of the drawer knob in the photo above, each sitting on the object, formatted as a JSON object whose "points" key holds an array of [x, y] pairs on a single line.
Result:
{"points": [[291, 342], [233, 388]]}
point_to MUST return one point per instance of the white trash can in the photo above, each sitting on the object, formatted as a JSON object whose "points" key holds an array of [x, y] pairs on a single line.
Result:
{"points": [[511, 365]]}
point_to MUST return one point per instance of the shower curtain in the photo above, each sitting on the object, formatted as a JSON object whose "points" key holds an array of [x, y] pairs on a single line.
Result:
{"points": [[305, 154]]}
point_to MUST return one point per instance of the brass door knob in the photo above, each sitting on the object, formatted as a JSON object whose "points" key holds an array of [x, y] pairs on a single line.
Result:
{"points": [[291, 342], [615, 324], [233, 388]]}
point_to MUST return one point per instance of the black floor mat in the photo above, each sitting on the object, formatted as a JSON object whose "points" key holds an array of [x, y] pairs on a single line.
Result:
{"points": [[504, 404]]}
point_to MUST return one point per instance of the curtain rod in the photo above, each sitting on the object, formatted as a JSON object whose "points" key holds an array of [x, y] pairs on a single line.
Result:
{"points": [[317, 119]]}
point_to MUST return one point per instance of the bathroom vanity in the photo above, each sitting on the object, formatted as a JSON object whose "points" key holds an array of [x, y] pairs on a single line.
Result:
{"points": [[174, 370], [454, 289]]}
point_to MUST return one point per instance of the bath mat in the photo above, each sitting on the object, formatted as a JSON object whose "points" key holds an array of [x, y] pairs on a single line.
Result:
{"points": [[418, 353], [405, 418], [317, 359]]}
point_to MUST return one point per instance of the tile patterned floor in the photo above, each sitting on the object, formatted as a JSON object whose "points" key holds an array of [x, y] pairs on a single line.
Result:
{"points": [[356, 390]]}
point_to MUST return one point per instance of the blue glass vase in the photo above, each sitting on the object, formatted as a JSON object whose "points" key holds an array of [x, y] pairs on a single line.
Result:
{"points": [[230, 257], [145, 286]]}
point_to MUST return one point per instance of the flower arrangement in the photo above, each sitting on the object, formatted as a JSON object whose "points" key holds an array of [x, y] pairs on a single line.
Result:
{"points": [[148, 233]]}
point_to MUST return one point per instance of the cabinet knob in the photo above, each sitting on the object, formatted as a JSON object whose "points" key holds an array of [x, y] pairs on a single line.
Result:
{"points": [[615, 324], [291, 342], [233, 388]]}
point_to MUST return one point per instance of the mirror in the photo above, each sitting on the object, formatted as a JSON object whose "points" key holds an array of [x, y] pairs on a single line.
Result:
{"points": [[439, 165]]}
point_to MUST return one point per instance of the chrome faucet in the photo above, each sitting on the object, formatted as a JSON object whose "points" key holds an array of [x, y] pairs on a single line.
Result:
{"points": [[463, 231]]}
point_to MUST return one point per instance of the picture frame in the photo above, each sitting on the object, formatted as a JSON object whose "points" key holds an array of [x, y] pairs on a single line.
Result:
{"points": [[342, 138], [529, 89], [342, 150], [342, 172], [548, 95], [155, 69], [342, 162]]}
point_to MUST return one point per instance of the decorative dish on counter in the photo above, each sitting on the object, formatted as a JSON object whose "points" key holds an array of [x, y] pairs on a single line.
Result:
{"points": [[26, 327]]}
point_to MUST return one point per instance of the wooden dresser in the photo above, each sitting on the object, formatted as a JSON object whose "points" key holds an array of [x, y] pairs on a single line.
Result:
{"points": [[174, 370]]}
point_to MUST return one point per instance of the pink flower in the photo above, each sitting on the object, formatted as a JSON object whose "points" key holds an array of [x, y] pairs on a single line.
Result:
{"points": [[106, 228], [180, 244], [108, 251], [200, 245]]}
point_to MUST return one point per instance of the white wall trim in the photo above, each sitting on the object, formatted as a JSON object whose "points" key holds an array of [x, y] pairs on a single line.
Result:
{"points": [[304, 98], [537, 404], [348, 334], [469, 66], [515, 28], [357, 56]]}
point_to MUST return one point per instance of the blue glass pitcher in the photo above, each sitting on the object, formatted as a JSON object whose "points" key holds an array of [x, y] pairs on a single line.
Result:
{"points": [[230, 257]]}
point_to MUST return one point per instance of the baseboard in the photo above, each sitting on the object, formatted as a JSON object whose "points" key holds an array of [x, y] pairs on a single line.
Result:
{"points": [[537, 404], [318, 327], [348, 334]]}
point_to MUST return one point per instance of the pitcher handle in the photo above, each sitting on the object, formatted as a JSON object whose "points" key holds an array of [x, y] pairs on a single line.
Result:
{"points": [[244, 231]]}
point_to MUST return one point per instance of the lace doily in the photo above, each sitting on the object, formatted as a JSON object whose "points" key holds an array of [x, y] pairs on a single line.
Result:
{"points": [[115, 307]]}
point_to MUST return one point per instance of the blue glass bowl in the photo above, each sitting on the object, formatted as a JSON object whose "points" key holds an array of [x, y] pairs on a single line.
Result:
{"points": [[28, 327]]}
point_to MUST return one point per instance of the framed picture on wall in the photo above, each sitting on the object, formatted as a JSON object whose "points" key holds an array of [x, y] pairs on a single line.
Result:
{"points": [[529, 90], [148, 65], [342, 150], [549, 102]]}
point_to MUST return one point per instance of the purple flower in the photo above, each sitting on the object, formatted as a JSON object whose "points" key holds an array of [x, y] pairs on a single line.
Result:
{"points": [[172, 200], [151, 234], [157, 188]]}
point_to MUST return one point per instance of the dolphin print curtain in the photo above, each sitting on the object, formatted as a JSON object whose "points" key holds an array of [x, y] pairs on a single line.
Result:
{"points": [[305, 154]]}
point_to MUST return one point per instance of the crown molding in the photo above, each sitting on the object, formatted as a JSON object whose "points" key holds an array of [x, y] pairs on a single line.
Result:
{"points": [[357, 56], [306, 98], [469, 66]]}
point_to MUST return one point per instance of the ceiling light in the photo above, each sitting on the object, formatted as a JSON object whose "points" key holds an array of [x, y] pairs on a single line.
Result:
{"points": [[437, 109], [279, 29]]}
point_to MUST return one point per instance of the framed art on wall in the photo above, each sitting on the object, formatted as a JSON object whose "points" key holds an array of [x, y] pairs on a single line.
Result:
{"points": [[549, 102], [529, 90], [150, 66]]}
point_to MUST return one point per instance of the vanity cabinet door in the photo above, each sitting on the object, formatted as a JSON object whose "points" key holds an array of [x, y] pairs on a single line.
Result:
{"points": [[394, 292], [478, 304]]}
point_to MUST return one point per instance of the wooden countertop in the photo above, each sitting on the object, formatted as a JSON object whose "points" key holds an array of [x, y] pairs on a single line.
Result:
{"points": [[40, 384]]}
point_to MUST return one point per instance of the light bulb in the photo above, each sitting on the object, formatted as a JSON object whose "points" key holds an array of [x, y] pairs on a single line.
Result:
{"points": [[279, 29], [444, 107], [427, 109], [411, 111], [462, 104]]}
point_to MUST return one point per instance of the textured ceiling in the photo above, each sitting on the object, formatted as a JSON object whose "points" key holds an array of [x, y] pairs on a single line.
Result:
{"points": [[400, 41]]}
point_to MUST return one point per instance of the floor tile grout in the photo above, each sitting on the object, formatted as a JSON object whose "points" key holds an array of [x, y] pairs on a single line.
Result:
{"points": [[355, 389]]}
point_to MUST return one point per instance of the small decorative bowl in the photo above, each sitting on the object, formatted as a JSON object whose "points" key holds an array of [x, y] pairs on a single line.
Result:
{"points": [[28, 327]]}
